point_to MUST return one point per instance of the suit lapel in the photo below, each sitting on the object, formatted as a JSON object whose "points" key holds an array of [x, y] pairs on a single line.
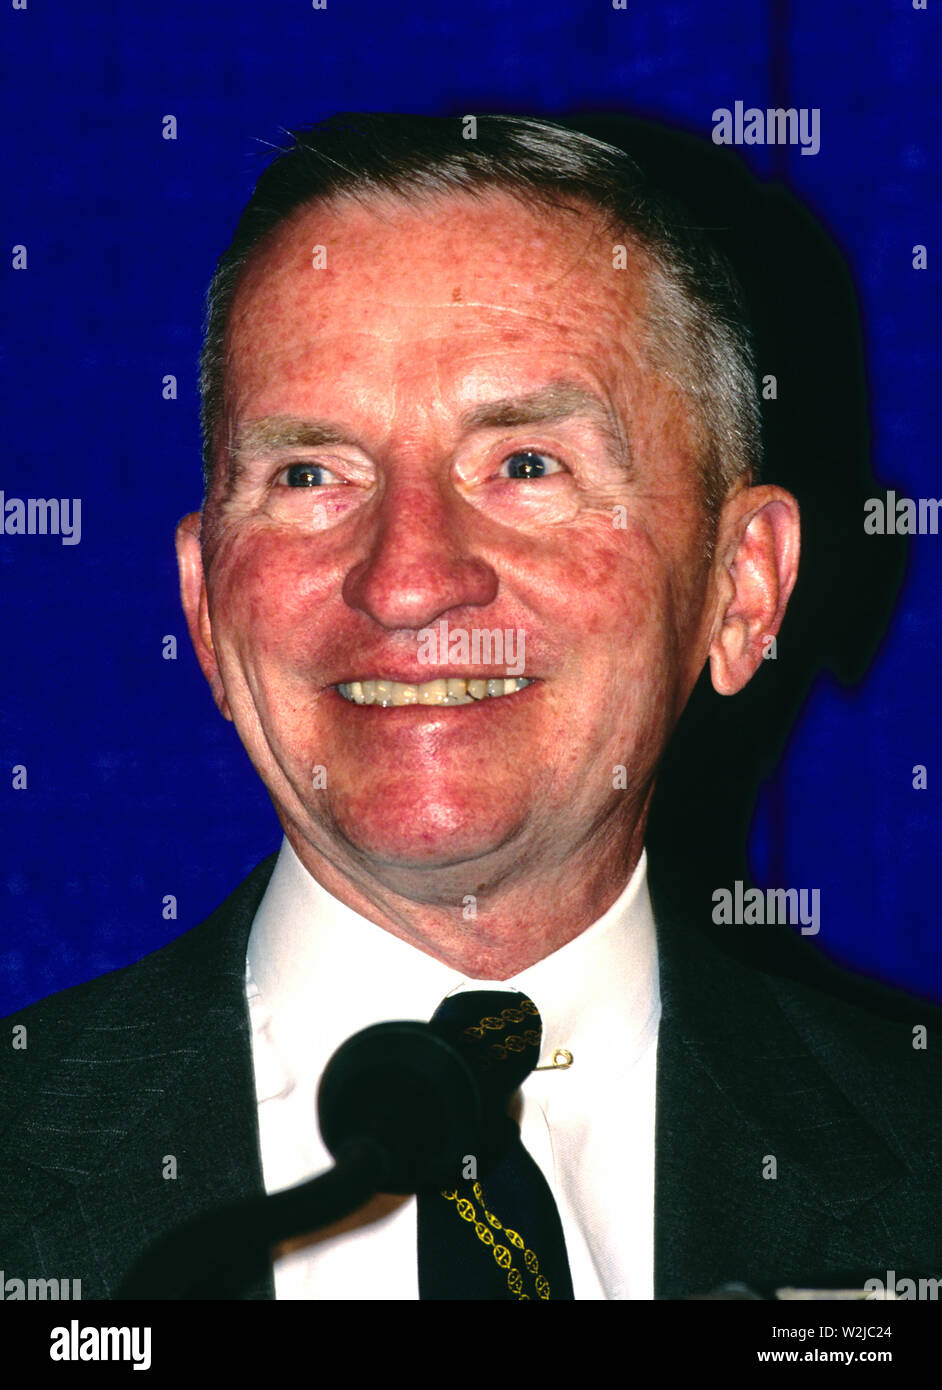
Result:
{"points": [[155, 1118], [762, 1161]]}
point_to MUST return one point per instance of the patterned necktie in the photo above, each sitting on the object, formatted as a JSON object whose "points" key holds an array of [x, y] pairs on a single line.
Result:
{"points": [[496, 1233]]}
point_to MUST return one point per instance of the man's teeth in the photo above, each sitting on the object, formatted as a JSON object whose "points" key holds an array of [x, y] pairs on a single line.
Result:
{"points": [[451, 691]]}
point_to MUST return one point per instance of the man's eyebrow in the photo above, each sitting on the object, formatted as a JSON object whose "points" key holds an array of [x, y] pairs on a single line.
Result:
{"points": [[552, 404], [273, 432], [283, 432]]}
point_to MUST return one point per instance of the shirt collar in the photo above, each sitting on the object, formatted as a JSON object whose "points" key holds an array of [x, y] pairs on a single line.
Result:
{"points": [[324, 972]]}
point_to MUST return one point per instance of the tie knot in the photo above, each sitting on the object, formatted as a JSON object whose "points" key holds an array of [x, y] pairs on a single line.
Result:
{"points": [[498, 1031]]}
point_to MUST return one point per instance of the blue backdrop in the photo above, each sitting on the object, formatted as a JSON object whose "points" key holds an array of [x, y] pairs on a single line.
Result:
{"points": [[135, 788]]}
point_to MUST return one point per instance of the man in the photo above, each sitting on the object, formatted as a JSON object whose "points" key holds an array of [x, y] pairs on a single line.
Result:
{"points": [[461, 382]]}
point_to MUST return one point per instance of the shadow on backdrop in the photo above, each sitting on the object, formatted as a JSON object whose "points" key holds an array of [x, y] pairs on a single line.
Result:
{"points": [[816, 442]]}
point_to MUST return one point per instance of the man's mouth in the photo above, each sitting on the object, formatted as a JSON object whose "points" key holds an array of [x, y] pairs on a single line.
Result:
{"points": [[450, 690]]}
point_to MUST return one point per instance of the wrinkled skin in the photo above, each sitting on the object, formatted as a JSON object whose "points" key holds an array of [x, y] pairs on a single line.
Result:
{"points": [[421, 316]]}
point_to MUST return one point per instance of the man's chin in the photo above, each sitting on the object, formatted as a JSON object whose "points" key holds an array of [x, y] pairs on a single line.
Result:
{"points": [[423, 834]]}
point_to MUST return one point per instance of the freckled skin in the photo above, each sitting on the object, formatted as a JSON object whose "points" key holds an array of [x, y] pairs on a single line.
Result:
{"points": [[421, 315]]}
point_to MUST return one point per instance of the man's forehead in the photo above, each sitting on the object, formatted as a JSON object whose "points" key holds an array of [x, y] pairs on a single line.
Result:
{"points": [[449, 252], [482, 308]]}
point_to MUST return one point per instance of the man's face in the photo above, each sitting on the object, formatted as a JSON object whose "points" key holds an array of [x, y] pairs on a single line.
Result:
{"points": [[453, 419]]}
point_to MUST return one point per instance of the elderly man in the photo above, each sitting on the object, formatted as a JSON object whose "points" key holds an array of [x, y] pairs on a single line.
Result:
{"points": [[481, 443]]}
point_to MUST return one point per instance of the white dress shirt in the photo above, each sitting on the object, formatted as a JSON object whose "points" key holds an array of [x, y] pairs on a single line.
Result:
{"points": [[318, 972]]}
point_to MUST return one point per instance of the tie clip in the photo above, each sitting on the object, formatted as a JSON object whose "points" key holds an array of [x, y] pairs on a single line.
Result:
{"points": [[562, 1058]]}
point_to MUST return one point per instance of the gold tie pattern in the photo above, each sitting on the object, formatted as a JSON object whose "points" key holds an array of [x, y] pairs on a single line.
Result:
{"points": [[467, 1211], [497, 1052]]}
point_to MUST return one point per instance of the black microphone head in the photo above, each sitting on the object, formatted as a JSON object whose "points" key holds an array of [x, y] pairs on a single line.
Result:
{"points": [[410, 1092]]}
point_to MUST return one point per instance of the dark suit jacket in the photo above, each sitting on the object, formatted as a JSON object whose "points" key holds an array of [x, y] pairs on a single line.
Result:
{"points": [[765, 1052]]}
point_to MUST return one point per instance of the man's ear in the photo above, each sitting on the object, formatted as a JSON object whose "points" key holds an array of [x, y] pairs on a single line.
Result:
{"points": [[196, 605], [757, 547]]}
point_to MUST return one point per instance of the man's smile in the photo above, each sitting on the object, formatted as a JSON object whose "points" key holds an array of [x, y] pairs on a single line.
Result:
{"points": [[450, 690]]}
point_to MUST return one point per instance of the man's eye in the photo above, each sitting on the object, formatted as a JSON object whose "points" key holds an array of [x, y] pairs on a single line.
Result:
{"points": [[306, 475], [527, 464]]}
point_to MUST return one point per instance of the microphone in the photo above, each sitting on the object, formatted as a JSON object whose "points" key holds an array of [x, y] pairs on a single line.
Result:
{"points": [[408, 1092]]}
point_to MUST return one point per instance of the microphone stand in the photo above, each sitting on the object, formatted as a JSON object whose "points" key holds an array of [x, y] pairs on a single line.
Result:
{"points": [[398, 1104], [214, 1254]]}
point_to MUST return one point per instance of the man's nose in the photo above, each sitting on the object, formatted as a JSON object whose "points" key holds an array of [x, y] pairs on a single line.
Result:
{"points": [[421, 563]]}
